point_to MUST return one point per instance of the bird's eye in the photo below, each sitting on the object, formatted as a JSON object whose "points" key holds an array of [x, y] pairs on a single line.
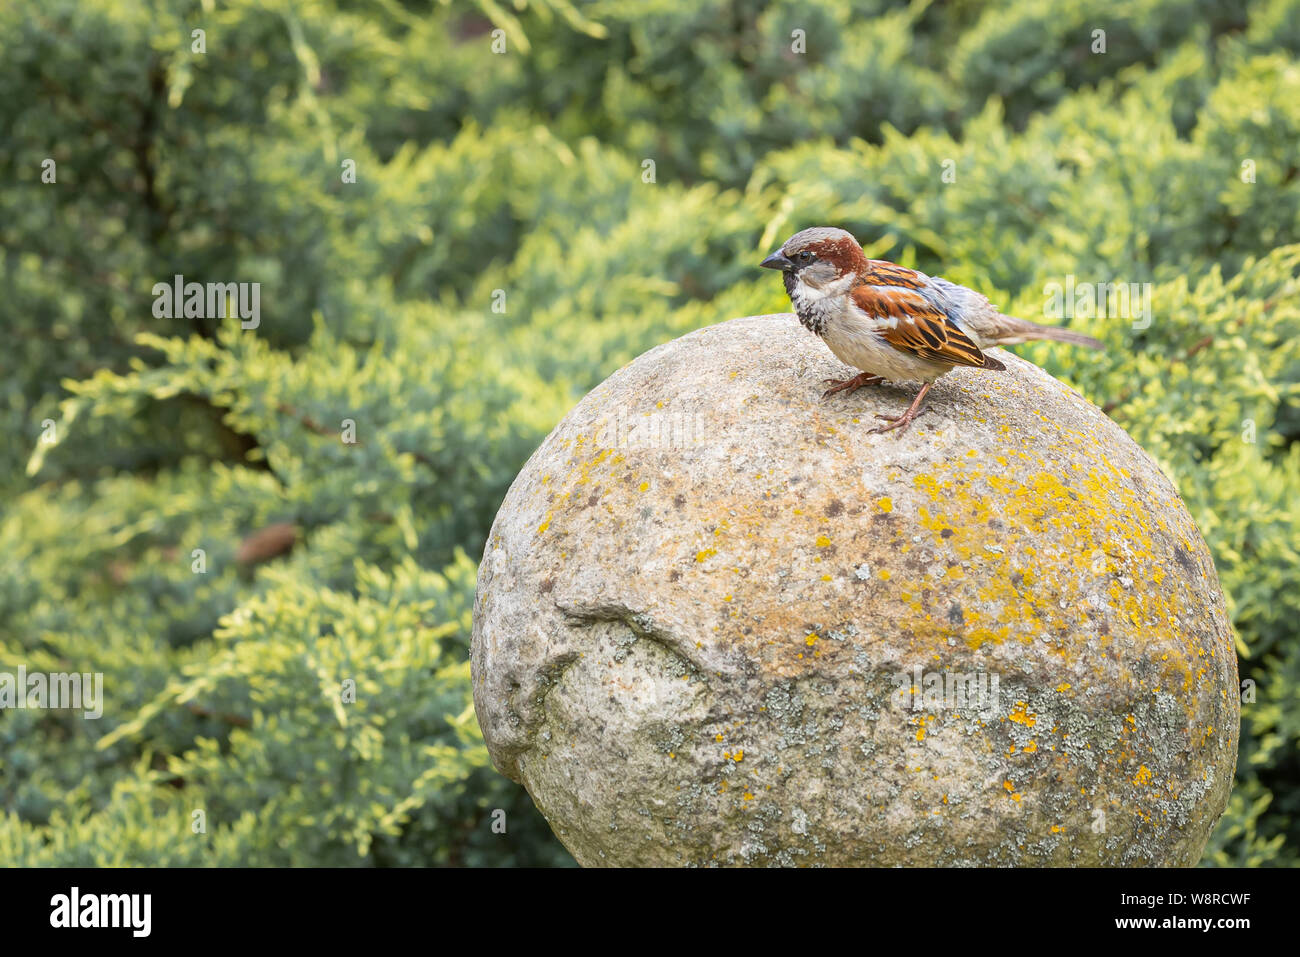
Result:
{"points": [[805, 257]]}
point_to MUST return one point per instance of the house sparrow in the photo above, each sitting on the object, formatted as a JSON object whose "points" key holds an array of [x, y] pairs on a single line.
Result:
{"points": [[893, 322]]}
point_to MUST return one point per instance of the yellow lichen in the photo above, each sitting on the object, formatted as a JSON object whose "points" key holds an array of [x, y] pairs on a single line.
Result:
{"points": [[1020, 715]]}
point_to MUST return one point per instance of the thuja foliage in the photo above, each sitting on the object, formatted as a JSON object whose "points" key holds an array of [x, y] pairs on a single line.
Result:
{"points": [[463, 216]]}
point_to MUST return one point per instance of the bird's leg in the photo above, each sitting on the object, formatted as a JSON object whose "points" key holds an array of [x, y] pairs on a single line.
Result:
{"points": [[849, 385], [904, 420]]}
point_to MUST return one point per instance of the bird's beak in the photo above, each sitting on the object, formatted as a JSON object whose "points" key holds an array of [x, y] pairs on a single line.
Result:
{"points": [[777, 261]]}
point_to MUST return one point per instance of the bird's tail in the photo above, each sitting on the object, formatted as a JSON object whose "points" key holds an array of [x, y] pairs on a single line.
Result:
{"points": [[1012, 331]]}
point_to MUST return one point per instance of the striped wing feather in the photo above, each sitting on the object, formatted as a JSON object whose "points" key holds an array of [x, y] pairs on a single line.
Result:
{"points": [[921, 327]]}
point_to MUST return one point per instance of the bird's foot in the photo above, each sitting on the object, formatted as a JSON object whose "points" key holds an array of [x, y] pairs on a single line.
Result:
{"points": [[850, 385], [903, 421]]}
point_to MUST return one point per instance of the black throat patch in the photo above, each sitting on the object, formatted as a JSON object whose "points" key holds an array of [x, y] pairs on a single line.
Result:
{"points": [[812, 314]]}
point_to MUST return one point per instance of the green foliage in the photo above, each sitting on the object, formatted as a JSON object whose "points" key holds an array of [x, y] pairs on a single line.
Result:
{"points": [[988, 144]]}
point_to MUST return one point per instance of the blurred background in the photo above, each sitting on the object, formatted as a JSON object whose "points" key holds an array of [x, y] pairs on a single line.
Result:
{"points": [[462, 216]]}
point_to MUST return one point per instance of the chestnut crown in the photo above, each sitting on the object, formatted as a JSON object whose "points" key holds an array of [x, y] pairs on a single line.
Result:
{"points": [[819, 246]]}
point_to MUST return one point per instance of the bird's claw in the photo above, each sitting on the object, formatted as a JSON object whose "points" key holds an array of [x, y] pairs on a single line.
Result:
{"points": [[900, 423], [850, 385]]}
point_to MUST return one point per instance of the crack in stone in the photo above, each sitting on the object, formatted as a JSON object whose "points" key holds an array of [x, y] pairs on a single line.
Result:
{"points": [[639, 623]]}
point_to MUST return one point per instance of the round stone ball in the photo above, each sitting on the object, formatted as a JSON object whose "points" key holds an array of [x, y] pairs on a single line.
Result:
{"points": [[720, 622]]}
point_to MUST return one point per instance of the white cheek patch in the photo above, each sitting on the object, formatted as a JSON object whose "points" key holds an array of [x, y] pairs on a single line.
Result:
{"points": [[833, 289], [842, 285], [806, 292]]}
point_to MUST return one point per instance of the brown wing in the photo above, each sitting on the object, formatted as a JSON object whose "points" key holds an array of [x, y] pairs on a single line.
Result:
{"points": [[921, 327]]}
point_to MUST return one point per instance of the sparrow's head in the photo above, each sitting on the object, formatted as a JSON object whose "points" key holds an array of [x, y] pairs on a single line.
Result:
{"points": [[817, 257]]}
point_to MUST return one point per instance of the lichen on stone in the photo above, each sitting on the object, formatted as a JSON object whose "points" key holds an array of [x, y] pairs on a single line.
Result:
{"points": [[704, 652]]}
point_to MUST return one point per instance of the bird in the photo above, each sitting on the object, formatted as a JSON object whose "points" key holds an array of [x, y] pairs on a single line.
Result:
{"points": [[894, 323]]}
